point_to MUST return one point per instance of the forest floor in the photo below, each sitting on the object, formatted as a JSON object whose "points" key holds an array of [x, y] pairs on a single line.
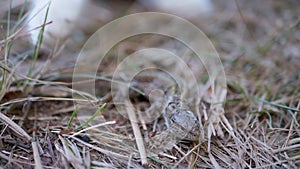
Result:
{"points": [[47, 121]]}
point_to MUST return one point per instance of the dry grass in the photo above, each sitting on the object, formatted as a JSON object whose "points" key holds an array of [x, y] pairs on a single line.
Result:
{"points": [[258, 128]]}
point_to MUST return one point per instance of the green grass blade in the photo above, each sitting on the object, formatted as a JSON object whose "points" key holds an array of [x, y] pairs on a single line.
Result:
{"points": [[92, 118], [72, 117], [275, 104], [39, 43]]}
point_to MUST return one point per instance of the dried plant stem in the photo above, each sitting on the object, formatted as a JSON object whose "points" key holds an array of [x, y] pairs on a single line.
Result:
{"points": [[36, 155], [137, 133], [12, 125]]}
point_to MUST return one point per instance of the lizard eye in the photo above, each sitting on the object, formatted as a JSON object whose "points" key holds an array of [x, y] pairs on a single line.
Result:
{"points": [[172, 106]]}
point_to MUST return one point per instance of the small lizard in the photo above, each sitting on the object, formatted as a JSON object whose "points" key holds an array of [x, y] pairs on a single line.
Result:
{"points": [[181, 124]]}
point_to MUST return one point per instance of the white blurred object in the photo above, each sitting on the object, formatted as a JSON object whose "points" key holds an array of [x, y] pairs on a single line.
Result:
{"points": [[190, 9], [62, 13], [68, 14]]}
